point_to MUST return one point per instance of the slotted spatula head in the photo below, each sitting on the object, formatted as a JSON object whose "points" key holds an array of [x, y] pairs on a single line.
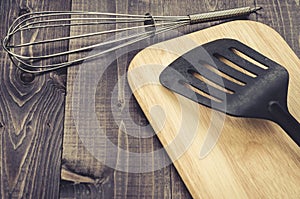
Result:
{"points": [[228, 76], [231, 77]]}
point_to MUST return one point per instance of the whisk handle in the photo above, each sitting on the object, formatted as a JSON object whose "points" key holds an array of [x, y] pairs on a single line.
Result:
{"points": [[223, 14]]}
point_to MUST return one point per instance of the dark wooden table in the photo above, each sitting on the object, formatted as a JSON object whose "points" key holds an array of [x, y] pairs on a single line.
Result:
{"points": [[42, 155]]}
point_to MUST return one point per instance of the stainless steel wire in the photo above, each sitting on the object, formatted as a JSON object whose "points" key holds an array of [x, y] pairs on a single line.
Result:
{"points": [[42, 52]]}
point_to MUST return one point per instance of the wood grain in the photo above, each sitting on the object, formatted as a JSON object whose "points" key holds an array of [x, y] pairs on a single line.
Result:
{"points": [[250, 153], [31, 119], [283, 16]]}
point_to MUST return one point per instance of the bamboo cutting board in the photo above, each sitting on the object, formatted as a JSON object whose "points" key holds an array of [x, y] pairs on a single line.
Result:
{"points": [[219, 156]]}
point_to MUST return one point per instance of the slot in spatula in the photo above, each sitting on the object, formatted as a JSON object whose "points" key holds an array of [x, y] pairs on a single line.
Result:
{"points": [[231, 77]]}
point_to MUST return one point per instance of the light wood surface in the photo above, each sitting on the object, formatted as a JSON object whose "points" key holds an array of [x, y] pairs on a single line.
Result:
{"points": [[252, 158]]}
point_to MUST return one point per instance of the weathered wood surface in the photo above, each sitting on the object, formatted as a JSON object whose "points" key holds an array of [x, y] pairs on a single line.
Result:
{"points": [[283, 16], [31, 117]]}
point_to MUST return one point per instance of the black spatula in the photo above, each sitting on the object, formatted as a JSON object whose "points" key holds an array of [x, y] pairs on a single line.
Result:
{"points": [[231, 77]]}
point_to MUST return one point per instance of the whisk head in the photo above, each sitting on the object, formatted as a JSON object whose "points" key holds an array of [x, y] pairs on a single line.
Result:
{"points": [[41, 41]]}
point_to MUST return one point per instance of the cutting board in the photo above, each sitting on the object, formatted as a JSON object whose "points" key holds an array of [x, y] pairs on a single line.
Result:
{"points": [[220, 156]]}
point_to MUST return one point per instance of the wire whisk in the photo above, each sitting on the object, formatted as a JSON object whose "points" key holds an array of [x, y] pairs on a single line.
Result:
{"points": [[39, 41]]}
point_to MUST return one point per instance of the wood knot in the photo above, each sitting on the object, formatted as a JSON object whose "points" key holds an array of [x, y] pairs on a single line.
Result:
{"points": [[27, 77], [24, 11]]}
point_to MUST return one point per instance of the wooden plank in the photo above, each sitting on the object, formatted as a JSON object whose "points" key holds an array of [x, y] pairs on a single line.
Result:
{"points": [[31, 118]]}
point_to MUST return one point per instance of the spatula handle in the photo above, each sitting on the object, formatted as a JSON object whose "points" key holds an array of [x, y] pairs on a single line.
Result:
{"points": [[287, 122]]}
